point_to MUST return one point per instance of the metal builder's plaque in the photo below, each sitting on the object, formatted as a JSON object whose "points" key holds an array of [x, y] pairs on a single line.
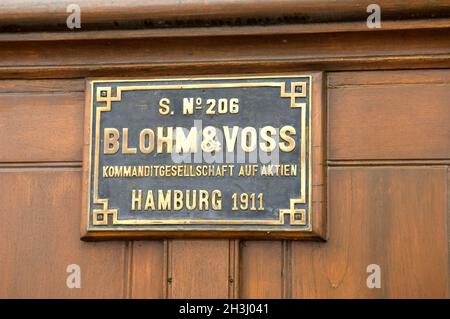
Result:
{"points": [[199, 155]]}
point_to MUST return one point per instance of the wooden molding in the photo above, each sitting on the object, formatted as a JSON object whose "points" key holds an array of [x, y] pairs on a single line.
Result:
{"points": [[107, 14], [197, 32]]}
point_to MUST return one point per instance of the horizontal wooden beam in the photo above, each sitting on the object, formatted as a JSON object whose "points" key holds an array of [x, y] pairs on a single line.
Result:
{"points": [[226, 55], [20, 15], [310, 28]]}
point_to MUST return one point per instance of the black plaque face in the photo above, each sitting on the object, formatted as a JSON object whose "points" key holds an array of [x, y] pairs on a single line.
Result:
{"points": [[200, 155]]}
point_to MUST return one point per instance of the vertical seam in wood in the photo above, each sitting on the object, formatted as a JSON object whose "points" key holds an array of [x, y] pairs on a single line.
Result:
{"points": [[326, 108], [286, 269], [167, 273], [230, 269], [233, 269], [324, 144], [128, 270], [283, 269], [237, 268], [448, 230]]}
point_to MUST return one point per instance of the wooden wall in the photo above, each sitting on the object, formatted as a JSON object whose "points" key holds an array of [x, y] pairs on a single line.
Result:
{"points": [[388, 170]]}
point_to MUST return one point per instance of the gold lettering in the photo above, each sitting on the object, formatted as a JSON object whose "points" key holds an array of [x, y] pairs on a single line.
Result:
{"points": [[164, 106], [248, 139], [203, 200], [191, 205], [164, 200], [165, 140], [188, 105], [177, 200], [125, 148], [186, 143], [150, 201], [269, 144], [146, 133], [230, 140], [216, 200], [136, 200], [285, 134], [111, 141]]}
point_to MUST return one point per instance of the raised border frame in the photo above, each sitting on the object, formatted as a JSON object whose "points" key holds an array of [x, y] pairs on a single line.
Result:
{"points": [[315, 133]]}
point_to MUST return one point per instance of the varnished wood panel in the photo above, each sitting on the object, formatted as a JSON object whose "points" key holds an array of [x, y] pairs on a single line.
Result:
{"points": [[372, 118], [41, 127], [319, 154], [198, 269], [211, 49], [40, 237], [323, 51], [41, 86], [391, 78], [139, 13], [253, 30], [147, 269], [261, 269], [393, 217]]}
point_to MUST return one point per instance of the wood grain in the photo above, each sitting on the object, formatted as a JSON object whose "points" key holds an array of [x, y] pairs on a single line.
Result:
{"points": [[383, 207], [198, 269], [254, 30], [139, 13], [261, 269], [147, 270], [392, 78], [42, 86], [231, 54], [232, 48], [319, 154], [41, 127], [406, 119], [40, 217], [393, 217]]}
